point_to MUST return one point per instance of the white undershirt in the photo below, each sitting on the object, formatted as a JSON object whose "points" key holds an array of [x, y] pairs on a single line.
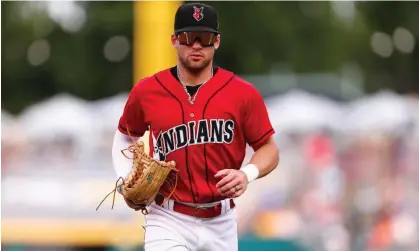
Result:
{"points": [[122, 164]]}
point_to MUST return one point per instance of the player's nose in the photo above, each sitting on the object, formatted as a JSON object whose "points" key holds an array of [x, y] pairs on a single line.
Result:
{"points": [[197, 44]]}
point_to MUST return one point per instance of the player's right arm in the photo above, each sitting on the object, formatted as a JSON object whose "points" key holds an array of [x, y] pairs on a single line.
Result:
{"points": [[131, 126]]}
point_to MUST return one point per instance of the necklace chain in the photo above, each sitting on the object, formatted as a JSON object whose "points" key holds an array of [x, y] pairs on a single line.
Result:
{"points": [[192, 99]]}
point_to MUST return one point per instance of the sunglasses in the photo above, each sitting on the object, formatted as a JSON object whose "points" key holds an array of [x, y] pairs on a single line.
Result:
{"points": [[205, 38]]}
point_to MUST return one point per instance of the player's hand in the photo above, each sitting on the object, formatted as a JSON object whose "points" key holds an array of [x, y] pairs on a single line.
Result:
{"points": [[136, 205], [132, 204], [233, 182]]}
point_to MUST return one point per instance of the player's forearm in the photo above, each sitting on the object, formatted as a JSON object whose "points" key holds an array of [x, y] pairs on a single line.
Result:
{"points": [[121, 164], [265, 159]]}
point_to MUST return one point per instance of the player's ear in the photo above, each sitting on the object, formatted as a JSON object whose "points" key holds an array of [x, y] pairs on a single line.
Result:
{"points": [[217, 42], [174, 40]]}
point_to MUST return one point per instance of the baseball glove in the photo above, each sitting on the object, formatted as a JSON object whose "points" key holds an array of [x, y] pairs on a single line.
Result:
{"points": [[147, 175]]}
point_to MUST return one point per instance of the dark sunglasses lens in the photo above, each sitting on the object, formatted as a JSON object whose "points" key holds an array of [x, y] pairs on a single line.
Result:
{"points": [[205, 38]]}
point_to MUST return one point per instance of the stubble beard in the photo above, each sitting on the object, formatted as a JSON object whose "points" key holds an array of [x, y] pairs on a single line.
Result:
{"points": [[193, 67]]}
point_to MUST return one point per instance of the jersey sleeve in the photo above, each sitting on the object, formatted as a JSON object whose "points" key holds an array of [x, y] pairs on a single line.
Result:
{"points": [[132, 118], [257, 125]]}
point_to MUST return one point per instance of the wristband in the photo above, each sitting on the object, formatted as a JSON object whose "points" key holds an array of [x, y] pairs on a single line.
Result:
{"points": [[251, 171]]}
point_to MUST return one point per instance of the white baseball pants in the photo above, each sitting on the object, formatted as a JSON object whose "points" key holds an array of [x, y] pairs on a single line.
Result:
{"points": [[166, 230]]}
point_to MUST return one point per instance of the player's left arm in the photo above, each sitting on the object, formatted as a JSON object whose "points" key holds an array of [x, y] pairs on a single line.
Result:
{"points": [[258, 132], [264, 160]]}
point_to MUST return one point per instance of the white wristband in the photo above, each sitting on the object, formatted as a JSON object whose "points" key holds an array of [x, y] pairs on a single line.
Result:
{"points": [[251, 171]]}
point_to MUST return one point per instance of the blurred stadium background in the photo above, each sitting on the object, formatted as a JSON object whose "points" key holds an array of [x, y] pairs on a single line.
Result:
{"points": [[341, 83]]}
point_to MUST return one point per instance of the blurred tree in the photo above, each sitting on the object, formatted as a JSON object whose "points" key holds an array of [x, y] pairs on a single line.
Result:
{"points": [[256, 37], [77, 62], [270, 32], [400, 70]]}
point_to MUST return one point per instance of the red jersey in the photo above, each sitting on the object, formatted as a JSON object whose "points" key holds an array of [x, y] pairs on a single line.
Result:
{"points": [[202, 138]]}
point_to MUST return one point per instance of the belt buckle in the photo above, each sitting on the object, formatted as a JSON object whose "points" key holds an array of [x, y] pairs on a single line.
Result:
{"points": [[202, 207], [199, 207]]}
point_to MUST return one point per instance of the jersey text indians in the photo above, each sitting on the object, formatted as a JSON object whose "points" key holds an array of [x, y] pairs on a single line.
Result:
{"points": [[203, 131]]}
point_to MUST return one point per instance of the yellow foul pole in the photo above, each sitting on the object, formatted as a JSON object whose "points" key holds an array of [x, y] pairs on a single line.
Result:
{"points": [[153, 25], [153, 51]]}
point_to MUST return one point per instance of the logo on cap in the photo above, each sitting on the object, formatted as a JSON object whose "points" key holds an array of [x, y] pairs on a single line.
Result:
{"points": [[198, 13]]}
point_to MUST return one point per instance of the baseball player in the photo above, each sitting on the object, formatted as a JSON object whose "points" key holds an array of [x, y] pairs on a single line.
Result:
{"points": [[202, 117]]}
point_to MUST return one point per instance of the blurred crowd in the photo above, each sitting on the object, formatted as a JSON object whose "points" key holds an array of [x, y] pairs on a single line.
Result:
{"points": [[347, 179], [348, 174]]}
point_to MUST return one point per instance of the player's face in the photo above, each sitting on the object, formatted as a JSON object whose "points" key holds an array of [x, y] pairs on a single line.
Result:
{"points": [[196, 49]]}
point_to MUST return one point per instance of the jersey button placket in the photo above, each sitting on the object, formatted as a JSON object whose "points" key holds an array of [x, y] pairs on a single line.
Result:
{"points": [[192, 115]]}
